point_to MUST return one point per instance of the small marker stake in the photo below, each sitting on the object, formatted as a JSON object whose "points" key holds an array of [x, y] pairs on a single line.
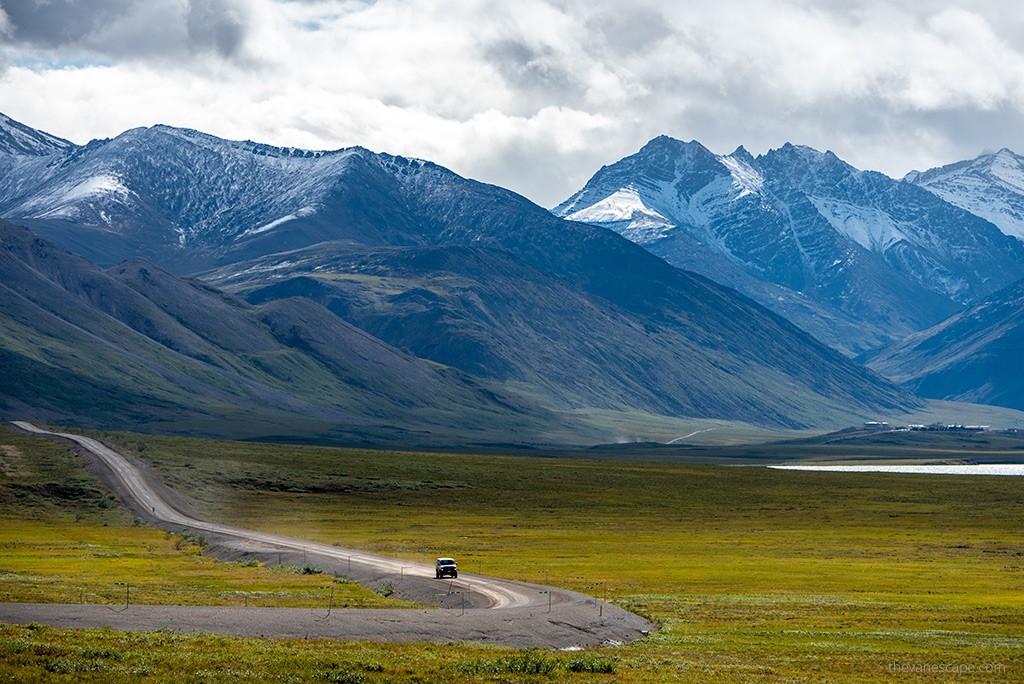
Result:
{"points": [[127, 595]]}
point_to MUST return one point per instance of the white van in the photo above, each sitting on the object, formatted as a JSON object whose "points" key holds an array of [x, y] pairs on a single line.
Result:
{"points": [[445, 567]]}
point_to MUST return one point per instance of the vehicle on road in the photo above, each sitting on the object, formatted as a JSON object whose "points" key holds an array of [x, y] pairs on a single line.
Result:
{"points": [[445, 567]]}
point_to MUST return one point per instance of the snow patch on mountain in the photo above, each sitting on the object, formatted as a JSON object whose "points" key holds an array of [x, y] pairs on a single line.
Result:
{"points": [[713, 201], [744, 176], [625, 206], [64, 201], [97, 185], [621, 205], [981, 199], [871, 228], [304, 211]]}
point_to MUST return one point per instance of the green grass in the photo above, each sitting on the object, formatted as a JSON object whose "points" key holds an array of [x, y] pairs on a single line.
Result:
{"points": [[38, 653], [754, 575], [65, 539], [768, 531]]}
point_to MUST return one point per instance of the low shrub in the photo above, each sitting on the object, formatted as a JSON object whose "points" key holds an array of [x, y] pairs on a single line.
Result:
{"points": [[590, 663]]}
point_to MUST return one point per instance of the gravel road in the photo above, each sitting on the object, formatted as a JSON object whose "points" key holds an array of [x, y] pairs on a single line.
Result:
{"points": [[475, 607]]}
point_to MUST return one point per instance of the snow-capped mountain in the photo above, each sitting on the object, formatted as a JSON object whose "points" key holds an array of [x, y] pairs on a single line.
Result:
{"points": [[854, 257], [462, 274], [191, 201], [991, 186], [947, 250], [171, 190]]}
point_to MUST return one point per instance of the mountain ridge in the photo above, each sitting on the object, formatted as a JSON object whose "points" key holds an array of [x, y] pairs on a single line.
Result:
{"points": [[973, 356], [158, 350], [18, 139]]}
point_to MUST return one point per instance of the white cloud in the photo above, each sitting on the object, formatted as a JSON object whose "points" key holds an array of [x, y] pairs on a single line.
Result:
{"points": [[535, 95]]}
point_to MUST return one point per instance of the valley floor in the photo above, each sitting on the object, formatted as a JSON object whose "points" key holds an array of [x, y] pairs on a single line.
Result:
{"points": [[752, 574]]}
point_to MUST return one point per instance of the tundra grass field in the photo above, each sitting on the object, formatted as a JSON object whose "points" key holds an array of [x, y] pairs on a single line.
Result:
{"points": [[753, 574]]}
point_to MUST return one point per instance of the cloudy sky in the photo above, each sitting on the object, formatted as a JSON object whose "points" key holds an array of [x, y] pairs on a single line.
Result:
{"points": [[534, 95]]}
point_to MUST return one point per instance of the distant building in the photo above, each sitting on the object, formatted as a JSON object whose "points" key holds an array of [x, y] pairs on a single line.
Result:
{"points": [[950, 427]]}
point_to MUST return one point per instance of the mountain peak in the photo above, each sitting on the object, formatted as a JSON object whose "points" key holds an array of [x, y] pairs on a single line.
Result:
{"points": [[805, 154], [990, 186], [18, 139], [1006, 165], [742, 154], [664, 143], [805, 165]]}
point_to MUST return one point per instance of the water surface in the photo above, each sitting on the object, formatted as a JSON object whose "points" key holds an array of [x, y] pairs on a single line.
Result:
{"points": [[980, 469]]}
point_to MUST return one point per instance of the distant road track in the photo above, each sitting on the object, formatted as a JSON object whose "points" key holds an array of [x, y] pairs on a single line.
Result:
{"points": [[480, 608], [677, 440]]}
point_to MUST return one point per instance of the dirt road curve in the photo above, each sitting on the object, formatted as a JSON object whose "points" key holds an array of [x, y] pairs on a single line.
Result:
{"points": [[479, 608]]}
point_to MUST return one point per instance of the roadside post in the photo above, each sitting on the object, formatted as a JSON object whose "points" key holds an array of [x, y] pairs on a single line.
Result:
{"points": [[600, 604], [330, 603], [127, 594]]}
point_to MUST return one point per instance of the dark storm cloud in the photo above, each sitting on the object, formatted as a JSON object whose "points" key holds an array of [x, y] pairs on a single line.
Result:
{"points": [[217, 25], [534, 72], [536, 94], [52, 24], [127, 28]]}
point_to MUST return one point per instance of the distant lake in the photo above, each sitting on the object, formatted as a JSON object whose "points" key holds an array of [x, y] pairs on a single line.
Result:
{"points": [[982, 469]]}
